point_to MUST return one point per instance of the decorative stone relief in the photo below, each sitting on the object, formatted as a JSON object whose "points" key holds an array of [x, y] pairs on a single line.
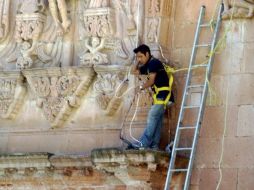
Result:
{"points": [[4, 19], [156, 23], [98, 3], [58, 90], [94, 57], [109, 86], [29, 26], [152, 30], [153, 20], [12, 92], [58, 11], [99, 22], [239, 9], [154, 7]]}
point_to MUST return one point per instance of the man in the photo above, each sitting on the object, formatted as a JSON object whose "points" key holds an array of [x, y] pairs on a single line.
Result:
{"points": [[161, 84]]}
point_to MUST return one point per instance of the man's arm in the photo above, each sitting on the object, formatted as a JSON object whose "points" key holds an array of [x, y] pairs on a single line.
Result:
{"points": [[150, 81]]}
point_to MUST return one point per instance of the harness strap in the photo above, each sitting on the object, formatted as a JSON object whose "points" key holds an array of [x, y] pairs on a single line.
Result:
{"points": [[163, 88]]}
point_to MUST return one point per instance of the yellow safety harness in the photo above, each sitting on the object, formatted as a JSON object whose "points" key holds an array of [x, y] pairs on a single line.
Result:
{"points": [[169, 72]]}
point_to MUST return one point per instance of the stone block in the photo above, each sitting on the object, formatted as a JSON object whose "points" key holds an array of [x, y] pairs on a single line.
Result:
{"points": [[248, 27], [84, 141], [210, 179], [245, 121], [215, 129], [111, 138], [184, 35], [3, 143], [217, 87], [248, 66], [238, 152], [185, 58], [241, 89], [208, 153], [25, 143], [234, 32], [230, 59], [245, 179], [195, 177], [187, 11]]}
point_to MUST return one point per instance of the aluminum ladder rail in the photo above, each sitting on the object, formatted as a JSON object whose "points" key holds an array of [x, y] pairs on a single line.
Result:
{"points": [[200, 108]]}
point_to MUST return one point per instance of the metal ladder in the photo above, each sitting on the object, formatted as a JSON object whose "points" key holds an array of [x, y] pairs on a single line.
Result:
{"points": [[199, 108]]}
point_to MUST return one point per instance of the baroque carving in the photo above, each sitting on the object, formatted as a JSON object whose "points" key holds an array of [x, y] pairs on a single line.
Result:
{"points": [[99, 22], [152, 29], [12, 92], [58, 11], [4, 19], [29, 26], [239, 9], [109, 87], [94, 57], [98, 3], [154, 7], [58, 90]]}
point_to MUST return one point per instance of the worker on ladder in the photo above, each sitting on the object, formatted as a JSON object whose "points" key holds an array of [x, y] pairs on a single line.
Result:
{"points": [[161, 84]]}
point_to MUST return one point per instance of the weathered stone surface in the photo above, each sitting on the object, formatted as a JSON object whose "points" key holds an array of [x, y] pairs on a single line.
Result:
{"points": [[245, 180]]}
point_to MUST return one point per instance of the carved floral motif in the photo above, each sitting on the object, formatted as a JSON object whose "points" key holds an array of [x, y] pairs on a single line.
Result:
{"points": [[58, 91], [12, 93], [99, 22], [109, 86]]}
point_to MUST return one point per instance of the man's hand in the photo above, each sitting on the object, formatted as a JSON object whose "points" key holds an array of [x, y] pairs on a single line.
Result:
{"points": [[138, 89], [134, 69]]}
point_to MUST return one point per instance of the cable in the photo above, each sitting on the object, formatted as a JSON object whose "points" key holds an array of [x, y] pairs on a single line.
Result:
{"points": [[226, 108], [130, 127]]}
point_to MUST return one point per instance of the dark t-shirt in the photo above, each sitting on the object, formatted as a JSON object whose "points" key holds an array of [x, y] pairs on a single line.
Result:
{"points": [[161, 78]]}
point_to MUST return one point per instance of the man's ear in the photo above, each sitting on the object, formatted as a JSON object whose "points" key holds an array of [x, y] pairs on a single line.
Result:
{"points": [[147, 54]]}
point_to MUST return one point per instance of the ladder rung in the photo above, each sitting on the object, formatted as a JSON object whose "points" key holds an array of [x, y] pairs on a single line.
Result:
{"points": [[195, 86], [200, 65], [203, 45], [191, 107], [182, 149], [205, 25], [187, 128], [179, 170]]}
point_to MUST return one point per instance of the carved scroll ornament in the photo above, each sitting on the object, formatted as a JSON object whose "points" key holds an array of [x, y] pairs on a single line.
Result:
{"points": [[109, 87], [29, 26], [12, 93], [58, 90]]}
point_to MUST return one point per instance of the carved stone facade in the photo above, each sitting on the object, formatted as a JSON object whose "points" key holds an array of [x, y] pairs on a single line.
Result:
{"points": [[65, 88], [69, 64], [128, 170]]}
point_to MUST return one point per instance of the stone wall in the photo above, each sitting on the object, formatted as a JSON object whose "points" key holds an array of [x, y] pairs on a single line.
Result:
{"points": [[227, 128]]}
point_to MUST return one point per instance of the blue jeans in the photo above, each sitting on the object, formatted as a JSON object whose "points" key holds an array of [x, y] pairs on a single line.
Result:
{"points": [[152, 133]]}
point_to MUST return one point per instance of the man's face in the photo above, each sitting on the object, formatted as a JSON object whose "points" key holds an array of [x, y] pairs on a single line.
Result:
{"points": [[142, 58]]}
